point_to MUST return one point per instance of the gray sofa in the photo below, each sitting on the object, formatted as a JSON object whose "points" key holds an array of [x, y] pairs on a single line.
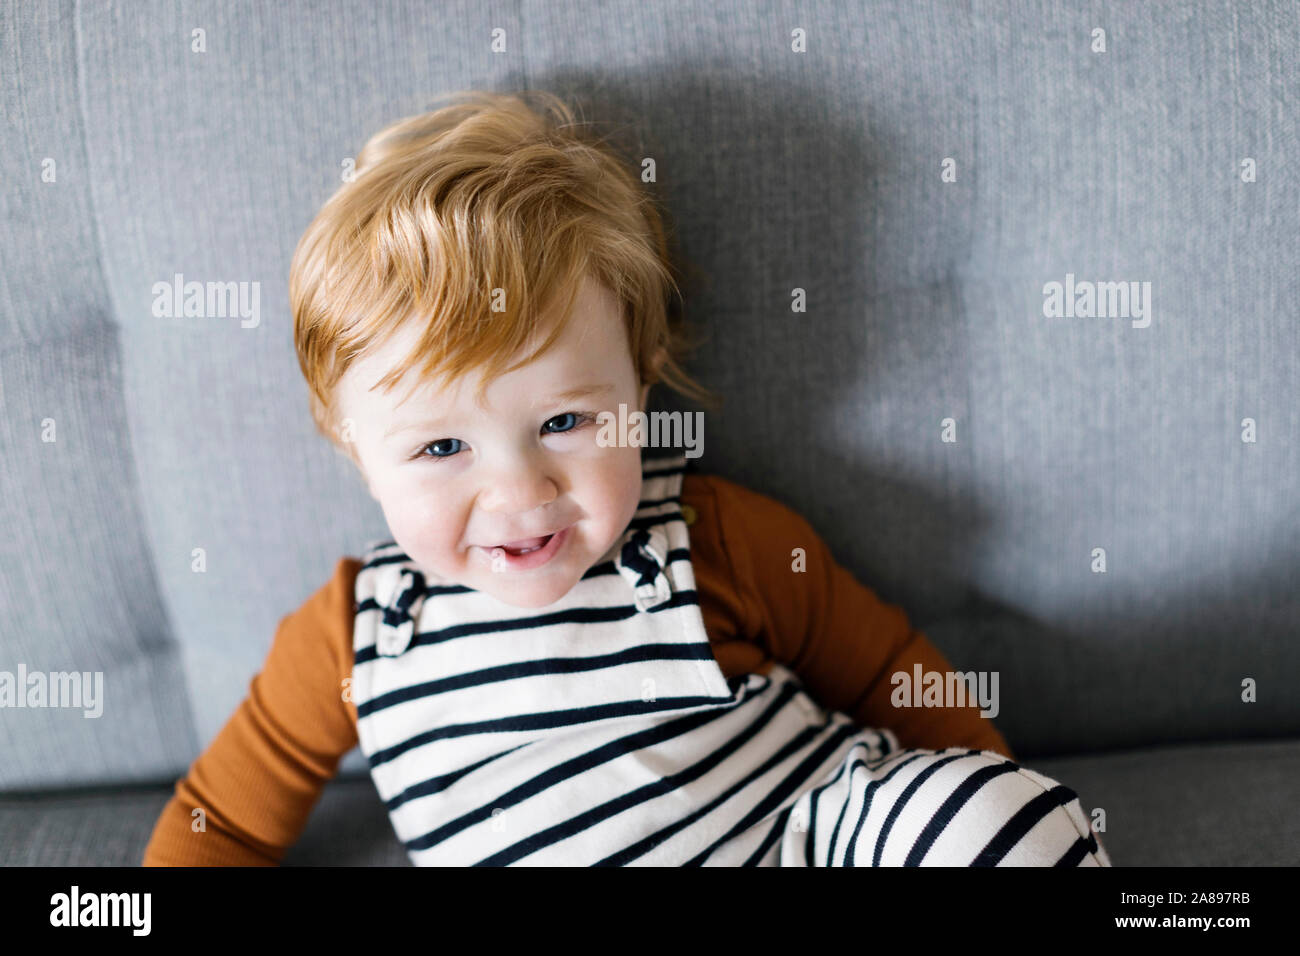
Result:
{"points": [[129, 440]]}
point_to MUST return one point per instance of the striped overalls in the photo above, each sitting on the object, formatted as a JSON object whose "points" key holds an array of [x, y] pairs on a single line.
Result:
{"points": [[601, 730]]}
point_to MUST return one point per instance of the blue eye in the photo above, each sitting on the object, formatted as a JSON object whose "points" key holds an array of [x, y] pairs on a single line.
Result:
{"points": [[558, 418], [441, 441], [569, 420]]}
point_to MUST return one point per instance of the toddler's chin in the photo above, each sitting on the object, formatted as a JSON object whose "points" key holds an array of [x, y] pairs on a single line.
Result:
{"points": [[524, 596]]}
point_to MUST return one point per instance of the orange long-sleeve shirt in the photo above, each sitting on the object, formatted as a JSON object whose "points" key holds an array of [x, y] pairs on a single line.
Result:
{"points": [[259, 779]]}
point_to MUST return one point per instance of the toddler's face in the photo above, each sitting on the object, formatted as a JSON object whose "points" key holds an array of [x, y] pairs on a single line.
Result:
{"points": [[457, 481]]}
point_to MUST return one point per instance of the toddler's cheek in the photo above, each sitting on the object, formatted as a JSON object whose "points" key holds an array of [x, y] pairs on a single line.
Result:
{"points": [[424, 533], [620, 492]]}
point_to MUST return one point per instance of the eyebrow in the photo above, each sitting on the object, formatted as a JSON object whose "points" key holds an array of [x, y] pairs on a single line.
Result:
{"points": [[568, 395]]}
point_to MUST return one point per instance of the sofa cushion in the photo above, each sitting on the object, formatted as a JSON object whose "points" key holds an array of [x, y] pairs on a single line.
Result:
{"points": [[1200, 805]]}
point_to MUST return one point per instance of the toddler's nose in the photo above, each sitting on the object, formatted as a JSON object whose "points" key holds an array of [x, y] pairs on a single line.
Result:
{"points": [[518, 492]]}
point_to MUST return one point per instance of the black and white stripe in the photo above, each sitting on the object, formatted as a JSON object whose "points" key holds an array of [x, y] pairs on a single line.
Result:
{"points": [[601, 730]]}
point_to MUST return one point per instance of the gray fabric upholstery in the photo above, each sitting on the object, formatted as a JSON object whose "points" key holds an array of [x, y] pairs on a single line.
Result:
{"points": [[348, 827], [819, 171], [1225, 804]]}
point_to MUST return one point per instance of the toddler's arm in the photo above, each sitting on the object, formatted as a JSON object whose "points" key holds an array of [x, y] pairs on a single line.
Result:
{"points": [[842, 640], [260, 777]]}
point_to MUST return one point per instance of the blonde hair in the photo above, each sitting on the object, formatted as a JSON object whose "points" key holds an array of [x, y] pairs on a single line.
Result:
{"points": [[450, 205]]}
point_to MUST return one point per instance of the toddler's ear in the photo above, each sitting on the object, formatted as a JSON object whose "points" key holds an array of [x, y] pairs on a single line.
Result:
{"points": [[366, 478], [656, 363], [350, 454]]}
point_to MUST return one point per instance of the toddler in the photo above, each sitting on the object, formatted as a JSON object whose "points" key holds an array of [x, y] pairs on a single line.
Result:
{"points": [[569, 653]]}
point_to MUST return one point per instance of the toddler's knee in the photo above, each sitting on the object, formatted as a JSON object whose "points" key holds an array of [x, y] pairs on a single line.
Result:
{"points": [[1042, 822], [987, 810]]}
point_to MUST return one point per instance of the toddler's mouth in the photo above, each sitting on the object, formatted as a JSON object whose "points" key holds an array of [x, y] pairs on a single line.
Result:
{"points": [[526, 554], [525, 545]]}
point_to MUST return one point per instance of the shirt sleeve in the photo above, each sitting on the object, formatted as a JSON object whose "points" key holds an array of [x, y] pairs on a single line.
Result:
{"points": [[264, 771], [834, 632]]}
